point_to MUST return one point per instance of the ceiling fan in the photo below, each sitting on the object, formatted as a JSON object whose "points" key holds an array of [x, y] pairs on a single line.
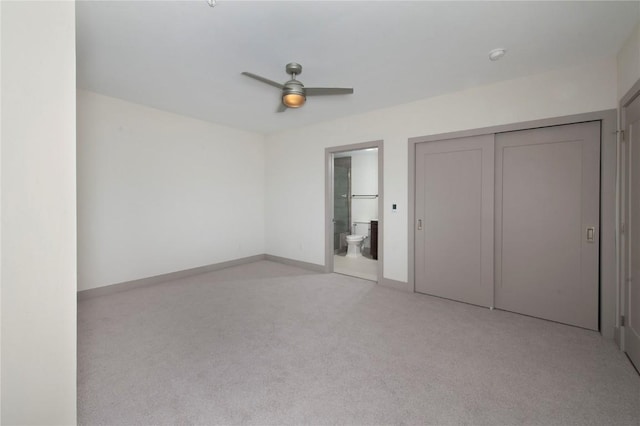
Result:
{"points": [[294, 94]]}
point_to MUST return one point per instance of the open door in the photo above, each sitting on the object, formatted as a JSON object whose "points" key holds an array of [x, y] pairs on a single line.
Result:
{"points": [[353, 210]]}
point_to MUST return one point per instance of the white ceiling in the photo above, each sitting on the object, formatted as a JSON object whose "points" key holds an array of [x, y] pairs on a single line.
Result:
{"points": [[186, 57]]}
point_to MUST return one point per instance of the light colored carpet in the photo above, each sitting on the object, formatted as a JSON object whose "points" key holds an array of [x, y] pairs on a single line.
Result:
{"points": [[266, 343]]}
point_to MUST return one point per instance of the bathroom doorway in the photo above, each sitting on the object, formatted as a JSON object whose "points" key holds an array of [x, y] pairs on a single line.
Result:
{"points": [[353, 212]]}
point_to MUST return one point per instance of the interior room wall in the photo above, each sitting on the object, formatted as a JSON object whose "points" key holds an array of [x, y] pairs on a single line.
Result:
{"points": [[589, 87], [38, 198], [629, 62], [0, 212], [160, 192]]}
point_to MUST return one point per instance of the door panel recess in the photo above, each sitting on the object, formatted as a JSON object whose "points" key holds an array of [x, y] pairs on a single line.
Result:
{"points": [[454, 219]]}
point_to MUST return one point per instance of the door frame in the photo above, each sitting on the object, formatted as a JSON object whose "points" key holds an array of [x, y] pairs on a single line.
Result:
{"points": [[328, 201], [623, 213], [609, 289]]}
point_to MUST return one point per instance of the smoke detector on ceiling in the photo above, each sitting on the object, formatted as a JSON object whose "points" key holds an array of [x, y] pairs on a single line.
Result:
{"points": [[496, 54]]}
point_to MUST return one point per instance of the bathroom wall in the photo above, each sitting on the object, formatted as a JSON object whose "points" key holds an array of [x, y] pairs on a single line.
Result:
{"points": [[364, 180], [585, 88], [160, 192]]}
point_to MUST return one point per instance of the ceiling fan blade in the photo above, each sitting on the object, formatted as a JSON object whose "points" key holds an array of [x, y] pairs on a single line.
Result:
{"points": [[321, 91], [281, 108], [264, 80]]}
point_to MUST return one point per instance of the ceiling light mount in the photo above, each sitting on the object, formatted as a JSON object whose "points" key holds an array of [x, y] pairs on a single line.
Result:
{"points": [[293, 69], [496, 54], [212, 3]]}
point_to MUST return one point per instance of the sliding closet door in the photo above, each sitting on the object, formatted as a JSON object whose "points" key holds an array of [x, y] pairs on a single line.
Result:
{"points": [[632, 261], [454, 219], [547, 223]]}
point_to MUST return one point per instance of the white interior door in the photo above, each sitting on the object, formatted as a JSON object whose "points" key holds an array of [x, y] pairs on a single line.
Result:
{"points": [[547, 223], [454, 219], [632, 293]]}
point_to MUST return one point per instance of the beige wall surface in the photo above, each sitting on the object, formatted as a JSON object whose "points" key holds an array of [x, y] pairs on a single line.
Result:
{"points": [[294, 158], [629, 62], [38, 205], [160, 192]]}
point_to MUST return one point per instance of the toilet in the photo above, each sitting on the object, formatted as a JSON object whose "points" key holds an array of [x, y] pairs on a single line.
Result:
{"points": [[354, 243]]}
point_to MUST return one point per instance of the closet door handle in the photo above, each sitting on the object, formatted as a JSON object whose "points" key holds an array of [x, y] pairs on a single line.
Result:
{"points": [[591, 234], [419, 224]]}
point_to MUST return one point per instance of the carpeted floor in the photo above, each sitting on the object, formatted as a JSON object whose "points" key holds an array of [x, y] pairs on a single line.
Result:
{"points": [[270, 344]]}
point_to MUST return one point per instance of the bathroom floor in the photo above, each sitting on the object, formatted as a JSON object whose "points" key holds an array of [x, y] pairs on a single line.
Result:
{"points": [[361, 266]]}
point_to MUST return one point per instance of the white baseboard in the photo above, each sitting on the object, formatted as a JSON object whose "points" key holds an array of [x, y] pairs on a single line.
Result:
{"points": [[300, 264], [397, 285], [144, 282]]}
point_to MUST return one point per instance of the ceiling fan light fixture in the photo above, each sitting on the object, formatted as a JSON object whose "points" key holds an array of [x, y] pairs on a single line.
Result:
{"points": [[293, 95], [293, 100]]}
